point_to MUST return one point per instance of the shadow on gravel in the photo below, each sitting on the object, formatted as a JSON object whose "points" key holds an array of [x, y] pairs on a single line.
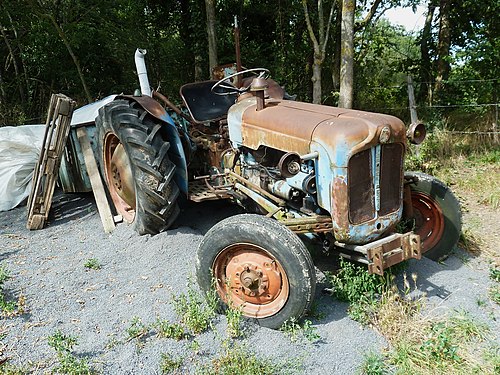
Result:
{"points": [[70, 206], [6, 254], [203, 216]]}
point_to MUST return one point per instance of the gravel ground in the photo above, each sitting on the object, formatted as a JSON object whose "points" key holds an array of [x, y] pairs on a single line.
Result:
{"points": [[141, 274]]}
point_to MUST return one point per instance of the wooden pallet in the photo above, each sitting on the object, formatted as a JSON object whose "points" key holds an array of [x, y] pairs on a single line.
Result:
{"points": [[47, 169]]}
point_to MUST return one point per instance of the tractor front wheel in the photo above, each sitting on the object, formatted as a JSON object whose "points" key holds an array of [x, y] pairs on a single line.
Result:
{"points": [[436, 215], [133, 157], [259, 266]]}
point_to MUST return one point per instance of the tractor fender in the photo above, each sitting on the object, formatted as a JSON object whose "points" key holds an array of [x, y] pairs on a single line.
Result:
{"points": [[176, 151]]}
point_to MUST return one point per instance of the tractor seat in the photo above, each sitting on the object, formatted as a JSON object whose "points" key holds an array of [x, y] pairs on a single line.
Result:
{"points": [[203, 104]]}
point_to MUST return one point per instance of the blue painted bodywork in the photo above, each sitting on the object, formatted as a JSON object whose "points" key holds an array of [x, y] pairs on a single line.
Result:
{"points": [[335, 134]]}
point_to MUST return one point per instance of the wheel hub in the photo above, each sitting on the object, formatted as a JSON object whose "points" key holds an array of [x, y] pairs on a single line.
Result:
{"points": [[119, 177], [250, 278], [429, 220]]}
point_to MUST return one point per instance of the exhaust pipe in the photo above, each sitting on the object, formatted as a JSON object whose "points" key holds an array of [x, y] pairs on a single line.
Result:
{"points": [[142, 71]]}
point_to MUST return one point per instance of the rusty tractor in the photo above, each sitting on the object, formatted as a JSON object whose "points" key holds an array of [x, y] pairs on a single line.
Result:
{"points": [[299, 169]]}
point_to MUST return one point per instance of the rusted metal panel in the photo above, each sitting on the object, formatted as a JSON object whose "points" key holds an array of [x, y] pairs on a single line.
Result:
{"points": [[280, 126], [311, 224]]}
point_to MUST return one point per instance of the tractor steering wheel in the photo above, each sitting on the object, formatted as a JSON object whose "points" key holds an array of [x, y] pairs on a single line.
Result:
{"points": [[223, 83]]}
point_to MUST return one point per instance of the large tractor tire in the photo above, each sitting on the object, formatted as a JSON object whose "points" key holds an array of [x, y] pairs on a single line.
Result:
{"points": [[259, 266], [133, 157], [437, 215]]}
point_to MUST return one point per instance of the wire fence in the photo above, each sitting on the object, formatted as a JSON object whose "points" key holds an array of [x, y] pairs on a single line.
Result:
{"points": [[469, 106]]}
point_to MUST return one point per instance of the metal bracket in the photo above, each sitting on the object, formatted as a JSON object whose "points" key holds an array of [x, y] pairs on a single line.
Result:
{"points": [[396, 250]]}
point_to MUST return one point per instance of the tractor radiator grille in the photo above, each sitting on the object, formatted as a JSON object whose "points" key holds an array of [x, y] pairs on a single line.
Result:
{"points": [[375, 185], [391, 178], [360, 184]]}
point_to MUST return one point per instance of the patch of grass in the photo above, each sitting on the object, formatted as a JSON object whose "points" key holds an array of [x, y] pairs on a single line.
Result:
{"points": [[92, 264], [495, 274], [353, 284], [68, 362], [443, 346], [462, 161], [137, 329], [194, 311], [194, 346], [7, 368], [239, 360], [373, 364], [296, 330], [169, 365], [234, 318], [9, 308], [494, 290], [166, 329], [494, 293]]}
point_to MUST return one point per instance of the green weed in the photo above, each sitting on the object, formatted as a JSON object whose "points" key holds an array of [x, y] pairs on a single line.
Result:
{"points": [[92, 264], [239, 360], [495, 274], [166, 329], [355, 285], [137, 329], [194, 346], [9, 308], [315, 312], [168, 364], [494, 290], [494, 293], [295, 330], [373, 364], [449, 345], [7, 368], [194, 311], [68, 363]]}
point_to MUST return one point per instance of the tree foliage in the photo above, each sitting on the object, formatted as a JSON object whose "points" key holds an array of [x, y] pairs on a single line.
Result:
{"points": [[85, 49]]}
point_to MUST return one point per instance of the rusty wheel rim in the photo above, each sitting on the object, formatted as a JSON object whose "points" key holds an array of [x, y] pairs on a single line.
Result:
{"points": [[429, 220], [119, 177], [251, 279]]}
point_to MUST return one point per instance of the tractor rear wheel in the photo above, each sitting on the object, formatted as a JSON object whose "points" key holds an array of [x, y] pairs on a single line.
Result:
{"points": [[259, 266], [436, 215], [133, 157]]}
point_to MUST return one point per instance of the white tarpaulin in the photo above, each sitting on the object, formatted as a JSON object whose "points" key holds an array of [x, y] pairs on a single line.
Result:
{"points": [[20, 148]]}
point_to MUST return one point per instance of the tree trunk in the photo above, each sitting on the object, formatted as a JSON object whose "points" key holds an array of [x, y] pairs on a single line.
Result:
{"points": [[319, 47], [316, 80], [337, 51], [443, 48], [425, 92], [212, 38], [347, 54]]}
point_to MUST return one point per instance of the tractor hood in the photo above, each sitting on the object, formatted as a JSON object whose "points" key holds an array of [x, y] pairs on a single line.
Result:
{"points": [[293, 126]]}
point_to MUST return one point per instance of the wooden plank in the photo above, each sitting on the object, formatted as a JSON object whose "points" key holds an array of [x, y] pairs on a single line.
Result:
{"points": [[96, 181]]}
